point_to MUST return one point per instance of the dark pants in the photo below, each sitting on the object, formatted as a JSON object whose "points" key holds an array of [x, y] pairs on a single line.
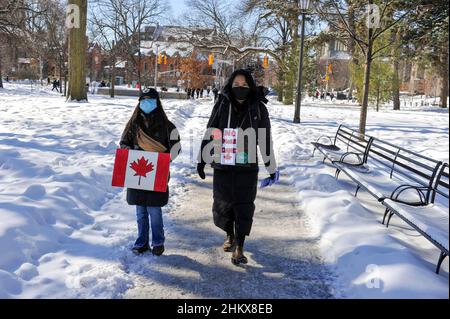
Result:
{"points": [[234, 195]]}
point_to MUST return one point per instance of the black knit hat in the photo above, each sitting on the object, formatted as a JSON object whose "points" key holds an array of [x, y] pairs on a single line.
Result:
{"points": [[149, 92]]}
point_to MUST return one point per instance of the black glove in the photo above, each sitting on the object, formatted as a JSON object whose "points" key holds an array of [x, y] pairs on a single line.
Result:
{"points": [[201, 170]]}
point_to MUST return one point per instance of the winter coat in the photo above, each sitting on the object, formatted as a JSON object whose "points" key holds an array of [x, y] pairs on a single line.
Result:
{"points": [[234, 193], [235, 187], [157, 126]]}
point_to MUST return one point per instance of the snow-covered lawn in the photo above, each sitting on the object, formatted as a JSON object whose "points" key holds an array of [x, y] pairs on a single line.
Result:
{"points": [[65, 232]]}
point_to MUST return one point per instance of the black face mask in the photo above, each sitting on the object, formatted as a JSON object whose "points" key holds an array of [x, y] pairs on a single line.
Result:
{"points": [[240, 92]]}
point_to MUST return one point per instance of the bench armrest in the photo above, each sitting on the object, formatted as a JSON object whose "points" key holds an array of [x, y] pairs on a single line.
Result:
{"points": [[395, 196], [325, 136], [345, 155]]}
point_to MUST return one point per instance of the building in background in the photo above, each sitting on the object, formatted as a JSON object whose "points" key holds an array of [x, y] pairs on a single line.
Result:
{"points": [[333, 63]]}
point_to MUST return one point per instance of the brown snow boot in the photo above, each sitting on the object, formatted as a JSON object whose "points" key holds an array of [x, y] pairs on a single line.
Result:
{"points": [[228, 243]]}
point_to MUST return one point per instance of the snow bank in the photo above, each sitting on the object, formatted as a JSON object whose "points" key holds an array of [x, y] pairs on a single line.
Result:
{"points": [[60, 233]]}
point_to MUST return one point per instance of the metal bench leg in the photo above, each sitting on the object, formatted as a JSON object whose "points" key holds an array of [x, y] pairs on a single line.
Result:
{"points": [[324, 158], [314, 150], [389, 219], [441, 259], [357, 189], [336, 174], [385, 214]]}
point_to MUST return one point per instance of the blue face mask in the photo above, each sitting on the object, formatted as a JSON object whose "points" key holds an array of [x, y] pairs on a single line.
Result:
{"points": [[148, 105]]}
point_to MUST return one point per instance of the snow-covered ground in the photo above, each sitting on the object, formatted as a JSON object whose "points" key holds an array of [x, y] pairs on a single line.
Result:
{"points": [[65, 232]]}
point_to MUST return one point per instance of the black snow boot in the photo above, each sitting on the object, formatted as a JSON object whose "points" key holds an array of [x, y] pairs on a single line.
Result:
{"points": [[238, 256], [140, 250], [158, 250]]}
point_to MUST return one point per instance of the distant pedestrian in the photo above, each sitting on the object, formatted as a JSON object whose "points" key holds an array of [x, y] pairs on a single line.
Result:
{"points": [[193, 93], [216, 93], [201, 93], [207, 91], [198, 92], [55, 85]]}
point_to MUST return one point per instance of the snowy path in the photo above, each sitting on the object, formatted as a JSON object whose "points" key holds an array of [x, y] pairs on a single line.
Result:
{"points": [[283, 260]]}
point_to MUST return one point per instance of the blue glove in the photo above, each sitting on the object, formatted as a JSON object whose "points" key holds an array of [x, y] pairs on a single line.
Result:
{"points": [[273, 179]]}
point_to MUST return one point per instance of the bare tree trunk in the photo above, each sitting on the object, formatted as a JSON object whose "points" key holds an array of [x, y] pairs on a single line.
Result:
{"points": [[378, 96], [395, 77], [280, 79], [65, 80], [113, 78], [396, 85], [365, 100], [60, 73], [112, 81], [444, 93], [444, 78], [77, 56], [1, 81], [351, 45]]}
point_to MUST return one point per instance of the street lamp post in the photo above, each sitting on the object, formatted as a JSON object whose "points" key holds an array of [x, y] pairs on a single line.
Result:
{"points": [[158, 30], [156, 66], [304, 6]]}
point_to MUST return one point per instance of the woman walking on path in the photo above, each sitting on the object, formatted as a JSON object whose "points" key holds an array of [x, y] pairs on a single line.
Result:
{"points": [[241, 107], [149, 129]]}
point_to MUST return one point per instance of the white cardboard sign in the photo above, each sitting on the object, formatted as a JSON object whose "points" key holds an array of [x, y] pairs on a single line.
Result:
{"points": [[229, 146]]}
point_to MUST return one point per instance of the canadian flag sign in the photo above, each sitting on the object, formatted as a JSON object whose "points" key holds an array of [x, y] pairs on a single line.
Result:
{"points": [[141, 170]]}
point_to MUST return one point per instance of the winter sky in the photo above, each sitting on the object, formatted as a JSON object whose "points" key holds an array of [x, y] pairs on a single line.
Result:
{"points": [[179, 6]]}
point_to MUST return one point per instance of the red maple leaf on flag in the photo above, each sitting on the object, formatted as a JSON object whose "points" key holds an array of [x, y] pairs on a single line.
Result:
{"points": [[141, 167]]}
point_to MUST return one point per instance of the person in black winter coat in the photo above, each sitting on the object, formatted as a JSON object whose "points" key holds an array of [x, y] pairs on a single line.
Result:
{"points": [[241, 106], [216, 93], [149, 129]]}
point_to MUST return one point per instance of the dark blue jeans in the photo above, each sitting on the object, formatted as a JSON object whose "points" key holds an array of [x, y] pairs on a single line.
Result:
{"points": [[156, 220]]}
